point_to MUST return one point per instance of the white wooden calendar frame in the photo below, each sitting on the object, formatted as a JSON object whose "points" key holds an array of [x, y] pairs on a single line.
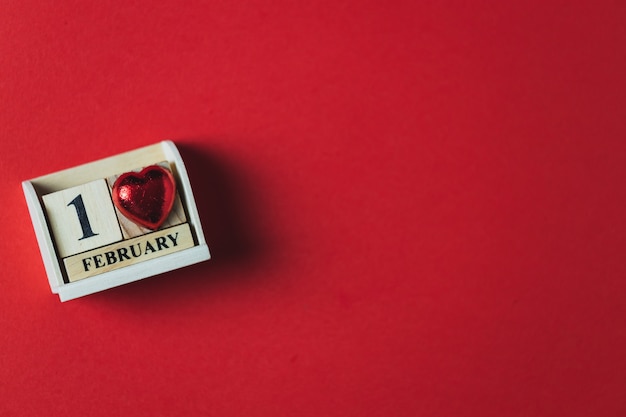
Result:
{"points": [[35, 188]]}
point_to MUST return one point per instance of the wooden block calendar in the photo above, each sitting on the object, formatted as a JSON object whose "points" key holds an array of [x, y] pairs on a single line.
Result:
{"points": [[115, 220]]}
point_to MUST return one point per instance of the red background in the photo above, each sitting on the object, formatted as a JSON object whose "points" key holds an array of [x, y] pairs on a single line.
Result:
{"points": [[414, 209]]}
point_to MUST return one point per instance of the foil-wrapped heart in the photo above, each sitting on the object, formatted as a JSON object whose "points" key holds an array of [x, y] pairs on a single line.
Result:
{"points": [[145, 197]]}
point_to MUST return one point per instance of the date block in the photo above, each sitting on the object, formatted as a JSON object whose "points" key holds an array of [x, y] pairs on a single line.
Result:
{"points": [[82, 218], [116, 220]]}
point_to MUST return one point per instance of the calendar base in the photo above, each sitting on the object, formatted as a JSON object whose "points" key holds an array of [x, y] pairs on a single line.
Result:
{"points": [[163, 255]]}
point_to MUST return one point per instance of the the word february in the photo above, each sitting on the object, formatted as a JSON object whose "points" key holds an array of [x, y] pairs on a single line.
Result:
{"points": [[129, 252]]}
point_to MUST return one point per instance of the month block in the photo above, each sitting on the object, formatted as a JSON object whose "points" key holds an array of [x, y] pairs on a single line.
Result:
{"points": [[115, 220], [82, 218], [140, 249]]}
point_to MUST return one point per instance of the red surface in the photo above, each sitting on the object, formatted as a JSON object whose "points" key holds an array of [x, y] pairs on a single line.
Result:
{"points": [[414, 209]]}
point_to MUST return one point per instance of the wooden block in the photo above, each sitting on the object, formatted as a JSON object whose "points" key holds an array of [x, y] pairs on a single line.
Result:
{"points": [[82, 218], [128, 252], [131, 229]]}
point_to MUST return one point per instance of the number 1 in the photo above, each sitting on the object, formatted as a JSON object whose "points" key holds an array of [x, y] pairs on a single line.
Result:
{"points": [[82, 217]]}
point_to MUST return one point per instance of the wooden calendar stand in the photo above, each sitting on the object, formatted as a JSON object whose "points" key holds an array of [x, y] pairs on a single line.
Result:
{"points": [[103, 249]]}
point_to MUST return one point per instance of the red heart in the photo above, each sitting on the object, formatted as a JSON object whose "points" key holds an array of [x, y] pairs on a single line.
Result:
{"points": [[145, 197]]}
